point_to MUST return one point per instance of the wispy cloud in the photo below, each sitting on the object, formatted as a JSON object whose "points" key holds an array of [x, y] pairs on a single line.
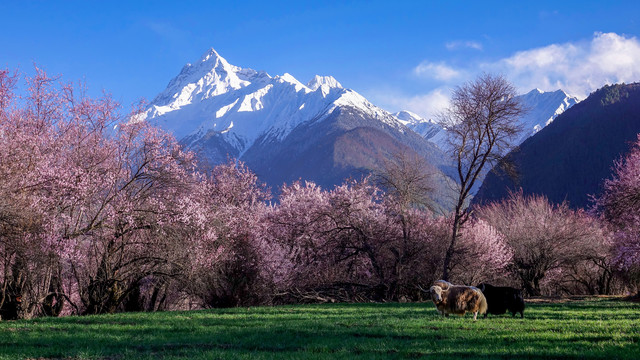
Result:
{"points": [[166, 30], [427, 105], [459, 44], [545, 14], [438, 71]]}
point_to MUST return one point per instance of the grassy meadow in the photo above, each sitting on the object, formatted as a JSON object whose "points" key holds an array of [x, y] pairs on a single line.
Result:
{"points": [[596, 328]]}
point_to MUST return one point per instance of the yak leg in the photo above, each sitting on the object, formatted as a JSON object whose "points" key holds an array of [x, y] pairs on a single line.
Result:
{"points": [[475, 316]]}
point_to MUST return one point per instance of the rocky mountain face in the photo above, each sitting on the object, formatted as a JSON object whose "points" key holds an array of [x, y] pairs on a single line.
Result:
{"points": [[542, 108], [569, 159]]}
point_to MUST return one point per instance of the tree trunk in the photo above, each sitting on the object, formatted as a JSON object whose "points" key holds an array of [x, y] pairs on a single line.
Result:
{"points": [[54, 301], [451, 249]]}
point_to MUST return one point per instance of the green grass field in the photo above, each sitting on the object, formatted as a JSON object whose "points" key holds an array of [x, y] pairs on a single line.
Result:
{"points": [[588, 329]]}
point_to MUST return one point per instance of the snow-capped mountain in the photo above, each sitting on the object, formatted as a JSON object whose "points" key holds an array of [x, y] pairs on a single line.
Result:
{"points": [[282, 129], [543, 107], [241, 105]]}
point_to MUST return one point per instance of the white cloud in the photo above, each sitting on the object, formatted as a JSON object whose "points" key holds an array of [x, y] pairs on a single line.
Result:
{"points": [[578, 67], [438, 71], [455, 45]]}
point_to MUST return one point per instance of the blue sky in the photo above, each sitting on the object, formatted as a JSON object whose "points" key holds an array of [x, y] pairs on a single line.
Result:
{"points": [[398, 54]]}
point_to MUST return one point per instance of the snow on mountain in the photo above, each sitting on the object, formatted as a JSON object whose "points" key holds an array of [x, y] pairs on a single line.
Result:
{"points": [[543, 108], [409, 118], [426, 128], [243, 105], [328, 81]]}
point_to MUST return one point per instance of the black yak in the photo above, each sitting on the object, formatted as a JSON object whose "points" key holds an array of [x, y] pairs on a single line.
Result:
{"points": [[11, 307], [502, 298]]}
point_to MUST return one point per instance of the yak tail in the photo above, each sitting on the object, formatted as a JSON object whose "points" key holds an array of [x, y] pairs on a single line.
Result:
{"points": [[483, 303]]}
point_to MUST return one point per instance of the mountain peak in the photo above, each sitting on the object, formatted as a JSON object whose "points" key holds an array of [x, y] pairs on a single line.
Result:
{"points": [[211, 61], [558, 92], [211, 53], [319, 81], [212, 75], [406, 116]]}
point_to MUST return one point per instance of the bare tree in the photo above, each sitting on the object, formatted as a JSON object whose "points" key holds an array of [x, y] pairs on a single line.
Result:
{"points": [[408, 179], [481, 124]]}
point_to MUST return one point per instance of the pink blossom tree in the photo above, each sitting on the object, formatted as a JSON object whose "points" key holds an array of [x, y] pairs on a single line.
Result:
{"points": [[139, 222], [27, 147], [620, 206], [106, 208], [549, 242], [231, 266], [329, 238], [481, 255], [418, 254], [296, 229], [350, 243]]}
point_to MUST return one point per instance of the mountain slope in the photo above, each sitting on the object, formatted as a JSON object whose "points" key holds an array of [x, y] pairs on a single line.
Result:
{"points": [[569, 159]]}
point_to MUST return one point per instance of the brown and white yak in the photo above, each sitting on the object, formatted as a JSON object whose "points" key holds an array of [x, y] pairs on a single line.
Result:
{"points": [[458, 299]]}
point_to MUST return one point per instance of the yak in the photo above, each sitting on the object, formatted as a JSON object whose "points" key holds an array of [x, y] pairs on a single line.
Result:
{"points": [[458, 299], [502, 298]]}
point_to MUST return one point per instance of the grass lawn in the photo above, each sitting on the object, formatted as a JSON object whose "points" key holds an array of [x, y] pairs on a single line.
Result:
{"points": [[587, 329]]}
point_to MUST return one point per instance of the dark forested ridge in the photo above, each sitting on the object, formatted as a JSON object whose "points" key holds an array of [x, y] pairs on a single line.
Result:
{"points": [[570, 158]]}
